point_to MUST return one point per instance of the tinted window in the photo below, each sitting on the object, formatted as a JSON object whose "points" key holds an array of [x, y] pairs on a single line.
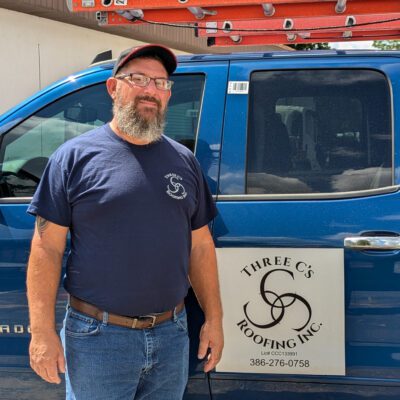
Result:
{"points": [[26, 148], [318, 131], [184, 109]]}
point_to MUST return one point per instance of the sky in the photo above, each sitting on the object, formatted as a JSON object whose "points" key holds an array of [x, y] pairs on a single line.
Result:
{"points": [[352, 45]]}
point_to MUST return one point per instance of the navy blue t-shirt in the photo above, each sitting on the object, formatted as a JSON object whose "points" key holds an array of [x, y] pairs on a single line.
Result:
{"points": [[130, 210]]}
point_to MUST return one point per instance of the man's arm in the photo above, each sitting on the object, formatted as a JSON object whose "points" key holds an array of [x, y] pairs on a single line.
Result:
{"points": [[43, 277], [203, 277]]}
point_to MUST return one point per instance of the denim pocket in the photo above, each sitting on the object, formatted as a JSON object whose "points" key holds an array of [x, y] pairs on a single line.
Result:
{"points": [[181, 321], [81, 325]]}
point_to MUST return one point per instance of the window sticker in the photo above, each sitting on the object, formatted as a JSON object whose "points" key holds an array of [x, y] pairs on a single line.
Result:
{"points": [[238, 87], [288, 316]]}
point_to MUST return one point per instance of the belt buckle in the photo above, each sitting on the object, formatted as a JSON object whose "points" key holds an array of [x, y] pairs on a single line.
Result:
{"points": [[153, 320]]}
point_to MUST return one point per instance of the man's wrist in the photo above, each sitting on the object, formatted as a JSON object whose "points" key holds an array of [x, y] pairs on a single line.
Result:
{"points": [[214, 318], [43, 330]]}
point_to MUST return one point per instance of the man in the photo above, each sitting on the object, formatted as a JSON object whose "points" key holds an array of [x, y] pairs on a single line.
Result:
{"points": [[137, 208]]}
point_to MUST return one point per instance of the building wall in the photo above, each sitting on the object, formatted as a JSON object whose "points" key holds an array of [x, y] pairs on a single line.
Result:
{"points": [[37, 51]]}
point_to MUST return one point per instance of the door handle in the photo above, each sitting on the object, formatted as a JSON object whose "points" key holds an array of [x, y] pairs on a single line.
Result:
{"points": [[372, 243]]}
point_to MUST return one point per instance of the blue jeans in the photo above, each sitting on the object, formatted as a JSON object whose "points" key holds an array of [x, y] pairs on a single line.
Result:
{"points": [[114, 363]]}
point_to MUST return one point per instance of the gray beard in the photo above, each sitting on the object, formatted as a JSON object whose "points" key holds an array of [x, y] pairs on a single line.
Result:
{"points": [[131, 123]]}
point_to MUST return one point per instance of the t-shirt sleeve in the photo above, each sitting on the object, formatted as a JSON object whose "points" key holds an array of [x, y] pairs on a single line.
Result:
{"points": [[50, 200], [205, 210]]}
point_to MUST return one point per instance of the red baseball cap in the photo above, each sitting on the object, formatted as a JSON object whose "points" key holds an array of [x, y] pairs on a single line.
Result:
{"points": [[166, 56]]}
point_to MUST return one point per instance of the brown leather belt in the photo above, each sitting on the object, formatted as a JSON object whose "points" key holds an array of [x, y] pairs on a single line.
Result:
{"points": [[141, 322]]}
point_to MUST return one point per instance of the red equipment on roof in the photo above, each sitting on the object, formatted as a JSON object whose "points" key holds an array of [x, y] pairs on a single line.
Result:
{"points": [[251, 22]]}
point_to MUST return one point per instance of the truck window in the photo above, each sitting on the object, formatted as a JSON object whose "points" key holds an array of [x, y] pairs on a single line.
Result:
{"points": [[318, 131], [26, 148], [184, 109]]}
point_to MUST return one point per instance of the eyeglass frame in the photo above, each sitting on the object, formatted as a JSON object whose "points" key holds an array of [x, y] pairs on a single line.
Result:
{"points": [[148, 80]]}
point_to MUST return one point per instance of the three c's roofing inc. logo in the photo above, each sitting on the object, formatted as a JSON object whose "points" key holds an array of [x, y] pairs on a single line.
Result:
{"points": [[175, 189], [277, 306], [278, 303]]}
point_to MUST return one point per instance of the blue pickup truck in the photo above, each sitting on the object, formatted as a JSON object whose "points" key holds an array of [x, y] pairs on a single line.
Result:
{"points": [[300, 150]]}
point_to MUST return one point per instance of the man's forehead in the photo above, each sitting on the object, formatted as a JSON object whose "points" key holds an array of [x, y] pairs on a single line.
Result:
{"points": [[145, 65]]}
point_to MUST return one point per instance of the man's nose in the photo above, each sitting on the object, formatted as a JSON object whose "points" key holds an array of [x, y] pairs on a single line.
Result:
{"points": [[151, 87]]}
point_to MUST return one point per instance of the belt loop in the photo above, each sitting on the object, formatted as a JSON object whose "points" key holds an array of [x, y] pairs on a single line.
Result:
{"points": [[175, 317], [105, 317]]}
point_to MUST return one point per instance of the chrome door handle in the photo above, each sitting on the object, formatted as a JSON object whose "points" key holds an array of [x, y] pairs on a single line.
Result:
{"points": [[372, 243]]}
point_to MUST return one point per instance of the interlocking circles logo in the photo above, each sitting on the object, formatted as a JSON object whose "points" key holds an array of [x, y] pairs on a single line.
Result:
{"points": [[278, 304], [175, 189]]}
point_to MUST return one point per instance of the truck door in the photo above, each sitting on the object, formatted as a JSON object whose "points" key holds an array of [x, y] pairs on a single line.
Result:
{"points": [[29, 137], [308, 227]]}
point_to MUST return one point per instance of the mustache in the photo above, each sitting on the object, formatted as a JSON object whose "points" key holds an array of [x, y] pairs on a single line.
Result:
{"points": [[147, 98]]}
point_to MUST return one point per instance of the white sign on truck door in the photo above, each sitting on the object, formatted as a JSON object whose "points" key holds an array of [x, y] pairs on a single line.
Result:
{"points": [[283, 310]]}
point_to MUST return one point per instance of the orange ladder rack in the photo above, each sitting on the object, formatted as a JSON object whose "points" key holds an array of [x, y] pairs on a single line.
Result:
{"points": [[252, 22]]}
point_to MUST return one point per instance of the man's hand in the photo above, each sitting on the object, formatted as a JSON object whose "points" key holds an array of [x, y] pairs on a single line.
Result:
{"points": [[211, 337], [45, 350], [47, 356], [203, 276]]}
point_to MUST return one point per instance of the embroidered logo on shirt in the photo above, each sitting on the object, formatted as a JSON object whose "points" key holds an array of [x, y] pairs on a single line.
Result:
{"points": [[175, 189]]}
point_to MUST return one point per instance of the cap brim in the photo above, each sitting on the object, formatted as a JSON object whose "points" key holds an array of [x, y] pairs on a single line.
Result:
{"points": [[166, 56]]}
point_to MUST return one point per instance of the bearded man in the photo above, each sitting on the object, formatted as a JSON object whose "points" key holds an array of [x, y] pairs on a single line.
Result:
{"points": [[137, 207]]}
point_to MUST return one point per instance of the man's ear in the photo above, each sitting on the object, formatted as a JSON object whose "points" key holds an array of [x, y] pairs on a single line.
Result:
{"points": [[111, 85]]}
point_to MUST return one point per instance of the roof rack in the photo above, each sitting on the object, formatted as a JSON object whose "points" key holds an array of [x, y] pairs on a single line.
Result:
{"points": [[252, 22]]}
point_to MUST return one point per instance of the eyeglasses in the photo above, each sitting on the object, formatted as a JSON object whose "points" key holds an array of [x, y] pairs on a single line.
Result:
{"points": [[144, 80]]}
